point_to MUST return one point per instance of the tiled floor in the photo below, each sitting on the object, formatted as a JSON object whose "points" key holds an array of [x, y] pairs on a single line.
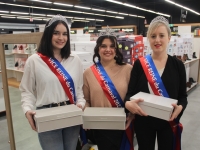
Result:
{"points": [[26, 139]]}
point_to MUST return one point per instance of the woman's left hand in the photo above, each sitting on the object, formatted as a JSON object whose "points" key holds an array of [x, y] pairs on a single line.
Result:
{"points": [[79, 105], [177, 110]]}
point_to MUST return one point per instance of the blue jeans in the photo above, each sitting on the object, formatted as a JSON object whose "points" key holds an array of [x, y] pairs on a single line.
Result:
{"points": [[60, 139]]}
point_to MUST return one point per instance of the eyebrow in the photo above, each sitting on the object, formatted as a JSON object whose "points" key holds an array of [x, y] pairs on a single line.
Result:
{"points": [[59, 31]]}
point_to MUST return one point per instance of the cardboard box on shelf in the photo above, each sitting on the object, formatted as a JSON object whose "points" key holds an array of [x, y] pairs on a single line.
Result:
{"points": [[57, 117], [104, 118], [156, 106]]}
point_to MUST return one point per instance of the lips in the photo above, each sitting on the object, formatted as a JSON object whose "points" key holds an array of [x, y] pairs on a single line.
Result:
{"points": [[157, 45]]}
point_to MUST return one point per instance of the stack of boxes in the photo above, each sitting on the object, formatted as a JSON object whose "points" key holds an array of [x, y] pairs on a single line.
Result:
{"points": [[132, 47]]}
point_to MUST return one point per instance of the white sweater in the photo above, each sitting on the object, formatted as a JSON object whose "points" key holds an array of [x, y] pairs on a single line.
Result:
{"points": [[40, 86]]}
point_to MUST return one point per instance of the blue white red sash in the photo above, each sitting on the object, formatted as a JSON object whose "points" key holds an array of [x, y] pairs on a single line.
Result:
{"points": [[62, 75], [114, 98], [158, 88]]}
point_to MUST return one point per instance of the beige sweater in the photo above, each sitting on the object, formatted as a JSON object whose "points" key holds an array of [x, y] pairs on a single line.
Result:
{"points": [[93, 92]]}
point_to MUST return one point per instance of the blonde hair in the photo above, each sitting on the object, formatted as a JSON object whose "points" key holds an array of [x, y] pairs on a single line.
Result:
{"points": [[155, 25]]}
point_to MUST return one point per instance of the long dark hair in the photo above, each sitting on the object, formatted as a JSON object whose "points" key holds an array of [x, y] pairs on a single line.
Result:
{"points": [[118, 57], [46, 48]]}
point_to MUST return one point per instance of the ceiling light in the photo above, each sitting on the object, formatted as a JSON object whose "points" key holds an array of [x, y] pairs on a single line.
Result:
{"points": [[183, 7], [79, 18], [74, 11], [14, 12], [162, 14], [82, 7], [114, 1], [7, 17], [132, 15], [119, 17], [133, 6], [41, 1], [37, 14], [22, 18], [1, 11], [113, 12], [89, 19], [88, 13], [99, 20], [68, 17], [97, 9], [40, 7], [141, 16], [123, 14], [50, 15], [62, 4]]}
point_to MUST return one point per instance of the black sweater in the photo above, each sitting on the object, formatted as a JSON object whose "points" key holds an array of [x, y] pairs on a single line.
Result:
{"points": [[173, 77]]}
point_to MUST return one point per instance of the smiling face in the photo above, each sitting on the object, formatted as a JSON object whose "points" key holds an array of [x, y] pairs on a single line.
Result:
{"points": [[59, 38], [107, 50], [159, 39]]}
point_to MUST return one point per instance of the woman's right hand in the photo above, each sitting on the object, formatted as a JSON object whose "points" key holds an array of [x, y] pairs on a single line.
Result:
{"points": [[134, 108], [29, 115]]}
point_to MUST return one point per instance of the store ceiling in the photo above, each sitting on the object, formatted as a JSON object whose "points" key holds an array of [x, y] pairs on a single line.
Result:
{"points": [[155, 5]]}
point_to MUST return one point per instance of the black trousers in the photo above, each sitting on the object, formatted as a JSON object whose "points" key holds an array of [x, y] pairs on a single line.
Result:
{"points": [[146, 129], [108, 139]]}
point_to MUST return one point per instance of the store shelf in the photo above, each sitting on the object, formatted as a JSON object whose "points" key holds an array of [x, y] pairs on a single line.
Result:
{"points": [[13, 82], [189, 61], [13, 69], [193, 85], [18, 54]]}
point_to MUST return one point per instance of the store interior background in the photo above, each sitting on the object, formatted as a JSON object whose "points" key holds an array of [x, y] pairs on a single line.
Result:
{"points": [[25, 138]]}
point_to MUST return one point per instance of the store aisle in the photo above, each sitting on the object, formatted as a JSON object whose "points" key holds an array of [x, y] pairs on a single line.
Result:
{"points": [[27, 139]]}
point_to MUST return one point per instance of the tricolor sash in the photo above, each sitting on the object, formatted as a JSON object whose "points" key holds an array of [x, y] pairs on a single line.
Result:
{"points": [[114, 98], [158, 88], [63, 76]]}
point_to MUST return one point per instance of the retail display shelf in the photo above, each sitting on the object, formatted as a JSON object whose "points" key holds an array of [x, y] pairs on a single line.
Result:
{"points": [[13, 69], [13, 82], [189, 61], [18, 53], [193, 85]]}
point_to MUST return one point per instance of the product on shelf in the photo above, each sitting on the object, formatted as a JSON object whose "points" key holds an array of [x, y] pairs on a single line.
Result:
{"points": [[194, 55]]}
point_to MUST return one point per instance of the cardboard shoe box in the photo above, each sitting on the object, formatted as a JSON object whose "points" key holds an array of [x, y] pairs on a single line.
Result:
{"points": [[57, 117], [156, 106], [104, 118]]}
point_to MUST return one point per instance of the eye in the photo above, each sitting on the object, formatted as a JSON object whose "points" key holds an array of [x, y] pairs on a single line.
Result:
{"points": [[161, 35], [112, 46], [55, 33], [153, 36], [103, 46]]}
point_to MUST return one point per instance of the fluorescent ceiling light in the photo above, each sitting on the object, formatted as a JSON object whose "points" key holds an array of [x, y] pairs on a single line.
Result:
{"points": [[82, 7], [132, 15], [14, 12], [89, 19], [97, 9], [133, 6], [50, 15], [74, 11], [22, 18], [79, 18], [99, 20], [7, 17], [113, 12], [119, 17], [37, 14], [1, 11], [54, 9], [123, 14], [141, 16], [183, 7], [117, 2], [68, 17], [41, 1], [62, 4]]}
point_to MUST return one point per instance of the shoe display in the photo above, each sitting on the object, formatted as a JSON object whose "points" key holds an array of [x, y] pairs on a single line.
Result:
{"points": [[191, 80], [184, 58], [15, 47], [188, 84], [194, 55], [187, 58]]}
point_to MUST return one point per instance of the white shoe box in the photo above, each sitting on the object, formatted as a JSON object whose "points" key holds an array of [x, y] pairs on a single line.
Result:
{"points": [[83, 46], [104, 118], [84, 56], [79, 37], [156, 106], [57, 117]]}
